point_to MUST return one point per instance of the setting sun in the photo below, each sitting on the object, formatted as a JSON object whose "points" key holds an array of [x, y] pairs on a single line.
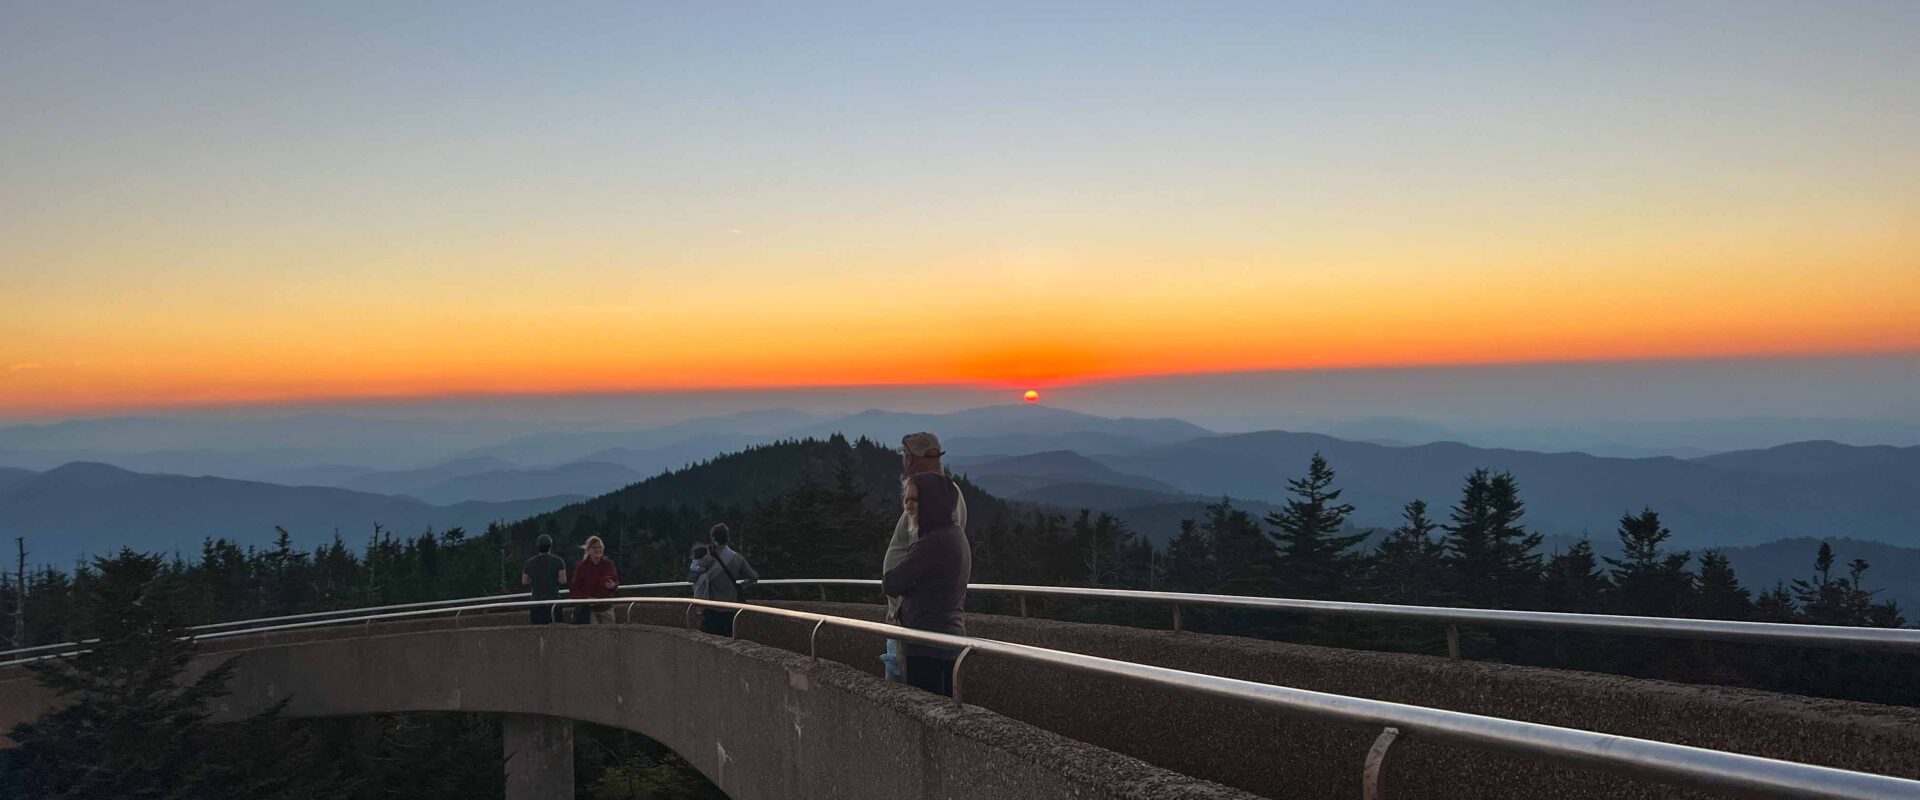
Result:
{"points": [[1032, 396]]}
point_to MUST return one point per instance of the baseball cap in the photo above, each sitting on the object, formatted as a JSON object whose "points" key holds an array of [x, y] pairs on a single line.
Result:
{"points": [[921, 445]]}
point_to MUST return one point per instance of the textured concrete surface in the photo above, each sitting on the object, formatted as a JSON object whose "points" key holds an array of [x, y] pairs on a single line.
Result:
{"points": [[539, 756], [658, 668], [759, 721], [1276, 755]]}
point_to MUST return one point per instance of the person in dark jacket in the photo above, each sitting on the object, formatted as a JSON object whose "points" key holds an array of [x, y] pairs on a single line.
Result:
{"points": [[543, 575], [931, 581]]}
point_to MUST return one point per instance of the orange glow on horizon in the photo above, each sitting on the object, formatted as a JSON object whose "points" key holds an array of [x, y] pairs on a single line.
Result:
{"points": [[94, 349], [182, 397]]}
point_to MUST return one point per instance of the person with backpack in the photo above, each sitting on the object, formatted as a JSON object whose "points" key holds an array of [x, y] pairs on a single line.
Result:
{"points": [[931, 581], [543, 575], [720, 576]]}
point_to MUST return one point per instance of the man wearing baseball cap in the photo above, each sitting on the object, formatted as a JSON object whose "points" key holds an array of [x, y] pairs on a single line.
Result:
{"points": [[919, 452], [544, 574]]}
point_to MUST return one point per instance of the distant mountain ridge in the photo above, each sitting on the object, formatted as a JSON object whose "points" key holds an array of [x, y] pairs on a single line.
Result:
{"points": [[1568, 493], [1823, 456], [1015, 474], [1005, 430], [580, 478], [1140, 468], [12, 474], [85, 508], [409, 482], [887, 427]]}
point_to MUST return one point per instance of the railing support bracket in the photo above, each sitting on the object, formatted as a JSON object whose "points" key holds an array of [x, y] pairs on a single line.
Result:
{"points": [[1453, 640], [956, 673], [1371, 788]]}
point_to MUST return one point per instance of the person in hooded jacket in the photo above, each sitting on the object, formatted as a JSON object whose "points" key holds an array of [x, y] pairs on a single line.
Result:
{"points": [[931, 581]]}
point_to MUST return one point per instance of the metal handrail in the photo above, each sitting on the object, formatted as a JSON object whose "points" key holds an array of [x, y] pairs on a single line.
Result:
{"points": [[1779, 633], [241, 623], [1680, 765], [1775, 633]]}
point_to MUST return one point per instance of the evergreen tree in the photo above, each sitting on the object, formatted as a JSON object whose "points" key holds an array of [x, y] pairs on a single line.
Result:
{"points": [[1409, 566], [131, 728], [1573, 580], [1824, 600], [1107, 548], [1721, 596], [996, 550], [1243, 554], [1827, 600], [1648, 580], [1315, 560], [1886, 614], [1776, 605], [1190, 564], [1494, 561]]}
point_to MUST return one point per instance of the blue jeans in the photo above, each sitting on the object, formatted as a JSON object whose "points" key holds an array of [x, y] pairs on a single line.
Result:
{"points": [[896, 668]]}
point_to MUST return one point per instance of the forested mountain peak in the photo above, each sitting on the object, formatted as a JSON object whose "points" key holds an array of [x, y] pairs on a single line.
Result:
{"points": [[1819, 457]]}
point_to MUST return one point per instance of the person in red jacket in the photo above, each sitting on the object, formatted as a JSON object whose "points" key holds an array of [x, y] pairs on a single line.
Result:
{"points": [[595, 577]]}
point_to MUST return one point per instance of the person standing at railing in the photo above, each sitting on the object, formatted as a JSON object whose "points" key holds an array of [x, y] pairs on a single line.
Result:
{"points": [[931, 581], [919, 453], [719, 577], [543, 575], [595, 576]]}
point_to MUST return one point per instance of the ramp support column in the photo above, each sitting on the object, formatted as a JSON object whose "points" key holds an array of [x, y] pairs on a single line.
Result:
{"points": [[539, 751]]}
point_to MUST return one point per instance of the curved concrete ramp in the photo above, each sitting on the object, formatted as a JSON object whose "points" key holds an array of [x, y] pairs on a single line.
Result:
{"points": [[759, 722]]}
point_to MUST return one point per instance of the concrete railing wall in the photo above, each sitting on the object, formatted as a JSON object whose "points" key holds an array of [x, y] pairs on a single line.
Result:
{"points": [[1278, 755], [759, 721], [698, 693]]}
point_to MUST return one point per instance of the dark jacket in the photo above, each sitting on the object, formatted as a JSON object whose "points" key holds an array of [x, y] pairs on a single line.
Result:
{"points": [[932, 585], [543, 576]]}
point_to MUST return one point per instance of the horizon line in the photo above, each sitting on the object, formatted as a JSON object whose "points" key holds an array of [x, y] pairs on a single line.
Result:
{"points": [[426, 398]]}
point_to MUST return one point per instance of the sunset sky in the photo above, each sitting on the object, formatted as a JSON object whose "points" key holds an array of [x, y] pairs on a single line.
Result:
{"points": [[227, 203]]}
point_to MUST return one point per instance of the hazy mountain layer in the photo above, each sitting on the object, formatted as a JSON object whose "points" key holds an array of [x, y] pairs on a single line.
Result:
{"points": [[1568, 493], [86, 508], [1010, 476]]}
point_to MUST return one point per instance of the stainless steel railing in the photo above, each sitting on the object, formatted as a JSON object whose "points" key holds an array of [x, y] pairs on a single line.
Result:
{"points": [[1826, 636], [1664, 762], [1822, 636], [63, 647]]}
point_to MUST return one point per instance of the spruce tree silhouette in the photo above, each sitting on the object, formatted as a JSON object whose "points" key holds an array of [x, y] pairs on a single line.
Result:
{"points": [[132, 727]]}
